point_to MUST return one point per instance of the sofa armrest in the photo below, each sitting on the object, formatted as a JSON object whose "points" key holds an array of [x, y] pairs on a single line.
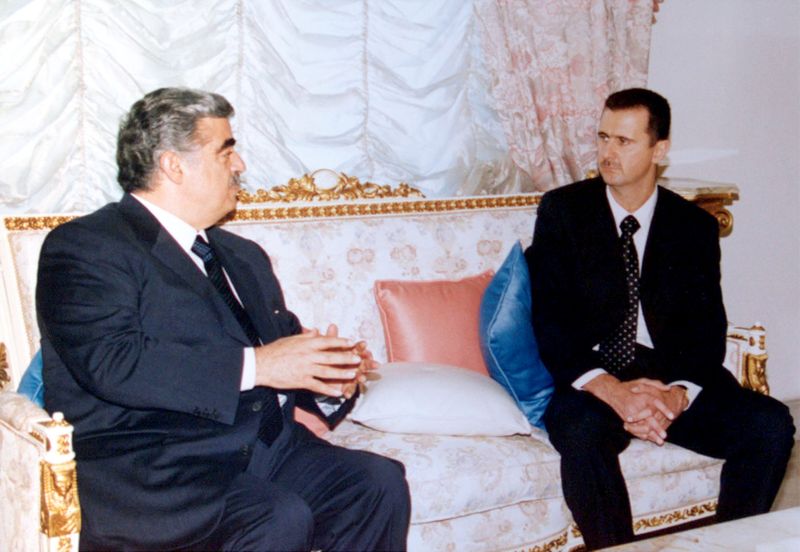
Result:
{"points": [[38, 477], [746, 356]]}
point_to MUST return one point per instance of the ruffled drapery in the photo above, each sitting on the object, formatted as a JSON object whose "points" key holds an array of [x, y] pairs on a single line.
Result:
{"points": [[387, 91]]}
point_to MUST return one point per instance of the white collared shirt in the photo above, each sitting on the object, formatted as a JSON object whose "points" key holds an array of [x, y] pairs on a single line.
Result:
{"points": [[184, 234], [644, 215]]}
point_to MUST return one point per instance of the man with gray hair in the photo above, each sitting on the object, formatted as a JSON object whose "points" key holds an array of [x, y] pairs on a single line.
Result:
{"points": [[167, 343]]}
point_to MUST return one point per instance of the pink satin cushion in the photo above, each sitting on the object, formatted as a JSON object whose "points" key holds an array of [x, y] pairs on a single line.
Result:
{"points": [[433, 321]]}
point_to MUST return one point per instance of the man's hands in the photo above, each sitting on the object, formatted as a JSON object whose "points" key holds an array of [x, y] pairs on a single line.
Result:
{"points": [[670, 401], [647, 407], [325, 364]]}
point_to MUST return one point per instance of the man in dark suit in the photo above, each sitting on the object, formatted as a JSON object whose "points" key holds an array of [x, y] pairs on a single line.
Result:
{"points": [[166, 342], [638, 353]]}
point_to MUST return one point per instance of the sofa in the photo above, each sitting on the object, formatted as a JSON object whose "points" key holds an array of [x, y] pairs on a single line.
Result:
{"points": [[329, 247]]}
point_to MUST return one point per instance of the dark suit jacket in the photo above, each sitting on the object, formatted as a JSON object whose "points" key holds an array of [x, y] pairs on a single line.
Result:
{"points": [[578, 286], [144, 358]]}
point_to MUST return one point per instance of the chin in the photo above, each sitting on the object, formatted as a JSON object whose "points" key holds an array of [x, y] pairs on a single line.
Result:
{"points": [[609, 177]]}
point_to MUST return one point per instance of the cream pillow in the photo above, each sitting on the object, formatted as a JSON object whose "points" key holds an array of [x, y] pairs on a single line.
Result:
{"points": [[420, 397]]}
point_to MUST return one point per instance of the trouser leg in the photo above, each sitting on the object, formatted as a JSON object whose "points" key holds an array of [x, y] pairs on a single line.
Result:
{"points": [[751, 432], [359, 500], [589, 436], [262, 516]]}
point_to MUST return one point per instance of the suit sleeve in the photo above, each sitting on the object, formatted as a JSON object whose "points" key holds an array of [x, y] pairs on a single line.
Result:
{"points": [[565, 348], [699, 323], [289, 324], [92, 305]]}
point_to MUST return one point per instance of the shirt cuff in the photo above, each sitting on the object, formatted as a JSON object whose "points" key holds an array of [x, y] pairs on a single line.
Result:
{"points": [[248, 369], [587, 377], [692, 390]]}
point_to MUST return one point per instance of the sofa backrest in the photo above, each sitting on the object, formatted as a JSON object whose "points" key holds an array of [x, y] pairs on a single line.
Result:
{"points": [[327, 257]]}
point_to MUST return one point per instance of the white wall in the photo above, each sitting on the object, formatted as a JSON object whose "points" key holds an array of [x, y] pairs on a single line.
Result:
{"points": [[731, 70]]}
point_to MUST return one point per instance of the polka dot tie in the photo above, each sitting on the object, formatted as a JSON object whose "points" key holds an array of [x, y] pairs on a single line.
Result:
{"points": [[617, 351]]}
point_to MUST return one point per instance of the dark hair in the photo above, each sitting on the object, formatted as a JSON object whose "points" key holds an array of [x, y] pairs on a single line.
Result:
{"points": [[656, 105], [165, 119]]}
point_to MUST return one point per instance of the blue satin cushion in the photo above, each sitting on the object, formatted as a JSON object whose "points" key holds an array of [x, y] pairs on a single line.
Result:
{"points": [[31, 384], [507, 341]]}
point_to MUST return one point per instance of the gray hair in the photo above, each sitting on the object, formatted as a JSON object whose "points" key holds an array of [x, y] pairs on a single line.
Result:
{"points": [[165, 119]]}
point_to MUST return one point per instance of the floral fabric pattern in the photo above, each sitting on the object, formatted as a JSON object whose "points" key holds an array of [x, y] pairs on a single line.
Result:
{"points": [[553, 63]]}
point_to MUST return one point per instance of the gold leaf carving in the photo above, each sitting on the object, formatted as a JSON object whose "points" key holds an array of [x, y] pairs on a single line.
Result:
{"points": [[60, 513], [347, 187], [64, 544], [555, 544], [349, 191], [5, 378], [675, 517]]}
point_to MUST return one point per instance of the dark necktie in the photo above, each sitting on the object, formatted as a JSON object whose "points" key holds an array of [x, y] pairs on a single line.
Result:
{"points": [[271, 418], [214, 271], [618, 350]]}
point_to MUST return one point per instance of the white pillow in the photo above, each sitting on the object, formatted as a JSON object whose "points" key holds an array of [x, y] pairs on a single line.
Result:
{"points": [[419, 397]]}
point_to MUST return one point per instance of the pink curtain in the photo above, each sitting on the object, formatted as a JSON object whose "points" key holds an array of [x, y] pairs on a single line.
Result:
{"points": [[552, 64]]}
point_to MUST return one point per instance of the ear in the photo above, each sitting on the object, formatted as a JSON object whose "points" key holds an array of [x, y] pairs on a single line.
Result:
{"points": [[661, 150], [170, 164]]}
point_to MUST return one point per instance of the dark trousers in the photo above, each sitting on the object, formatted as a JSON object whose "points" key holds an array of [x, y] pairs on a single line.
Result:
{"points": [[751, 432], [302, 493]]}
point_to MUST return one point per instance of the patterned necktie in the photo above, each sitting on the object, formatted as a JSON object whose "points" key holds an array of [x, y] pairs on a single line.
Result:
{"points": [[617, 351], [271, 417]]}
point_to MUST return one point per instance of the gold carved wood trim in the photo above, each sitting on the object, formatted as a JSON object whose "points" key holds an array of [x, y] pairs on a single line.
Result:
{"points": [[384, 208], [5, 376], [641, 525], [675, 517], [60, 513], [346, 187], [753, 368], [347, 198], [556, 543]]}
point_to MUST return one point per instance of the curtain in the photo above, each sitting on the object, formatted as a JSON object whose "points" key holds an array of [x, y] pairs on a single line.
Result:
{"points": [[552, 64], [388, 91]]}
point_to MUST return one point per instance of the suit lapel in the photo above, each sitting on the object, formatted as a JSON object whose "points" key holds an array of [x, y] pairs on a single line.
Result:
{"points": [[604, 247], [167, 251], [244, 280], [656, 247]]}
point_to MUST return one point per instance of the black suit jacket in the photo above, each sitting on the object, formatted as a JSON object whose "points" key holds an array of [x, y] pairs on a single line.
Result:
{"points": [[145, 359], [579, 293]]}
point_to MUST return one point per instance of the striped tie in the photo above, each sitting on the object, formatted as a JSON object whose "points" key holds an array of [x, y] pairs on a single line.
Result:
{"points": [[271, 417]]}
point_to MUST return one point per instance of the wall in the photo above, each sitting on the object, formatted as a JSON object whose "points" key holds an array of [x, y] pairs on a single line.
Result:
{"points": [[731, 70]]}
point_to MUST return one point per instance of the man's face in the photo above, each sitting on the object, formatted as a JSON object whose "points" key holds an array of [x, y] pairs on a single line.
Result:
{"points": [[212, 171], [625, 156]]}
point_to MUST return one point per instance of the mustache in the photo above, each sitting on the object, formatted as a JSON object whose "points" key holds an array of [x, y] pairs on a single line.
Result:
{"points": [[236, 180]]}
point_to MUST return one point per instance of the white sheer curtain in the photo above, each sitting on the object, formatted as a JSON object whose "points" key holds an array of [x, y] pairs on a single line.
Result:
{"points": [[384, 90]]}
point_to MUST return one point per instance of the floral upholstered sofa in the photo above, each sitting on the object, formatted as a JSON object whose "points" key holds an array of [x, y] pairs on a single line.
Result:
{"points": [[469, 492]]}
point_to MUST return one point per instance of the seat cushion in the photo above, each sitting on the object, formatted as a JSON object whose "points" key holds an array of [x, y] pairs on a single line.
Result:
{"points": [[452, 476]]}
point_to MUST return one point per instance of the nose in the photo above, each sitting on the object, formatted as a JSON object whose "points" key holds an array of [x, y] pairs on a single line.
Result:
{"points": [[606, 150], [238, 164]]}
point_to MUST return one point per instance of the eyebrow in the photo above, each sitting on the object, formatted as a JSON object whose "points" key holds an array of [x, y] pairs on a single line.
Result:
{"points": [[229, 143]]}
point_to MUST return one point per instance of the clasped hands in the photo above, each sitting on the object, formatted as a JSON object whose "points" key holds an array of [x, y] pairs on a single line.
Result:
{"points": [[647, 407], [325, 364]]}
